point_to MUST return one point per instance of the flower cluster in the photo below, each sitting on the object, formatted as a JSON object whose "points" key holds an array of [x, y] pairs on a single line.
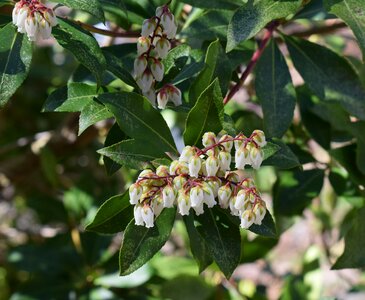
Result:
{"points": [[34, 19], [152, 46], [200, 176]]}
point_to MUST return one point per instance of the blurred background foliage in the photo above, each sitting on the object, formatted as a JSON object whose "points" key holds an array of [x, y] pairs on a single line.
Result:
{"points": [[52, 181]]}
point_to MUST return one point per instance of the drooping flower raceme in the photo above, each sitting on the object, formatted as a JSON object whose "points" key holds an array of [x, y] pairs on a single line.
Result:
{"points": [[199, 177], [34, 19], [153, 46]]}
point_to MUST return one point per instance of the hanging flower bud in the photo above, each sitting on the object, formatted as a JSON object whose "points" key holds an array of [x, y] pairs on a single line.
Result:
{"points": [[224, 194], [224, 159], [168, 196], [138, 220], [162, 47], [50, 17], [162, 98], [167, 21], [148, 27], [145, 82], [143, 44], [196, 196], [256, 157], [175, 95], [194, 166], [258, 137], [214, 183], [183, 202], [239, 141], [247, 219], [31, 27], [208, 196], [227, 145], [157, 206], [160, 10], [135, 193], [173, 29], [140, 65], [233, 209], [242, 197], [182, 168], [151, 96], [147, 216], [45, 29], [179, 182], [242, 157], [259, 211], [162, 171], [157, 69], [212, 165], [209, 139], [187, 153]]}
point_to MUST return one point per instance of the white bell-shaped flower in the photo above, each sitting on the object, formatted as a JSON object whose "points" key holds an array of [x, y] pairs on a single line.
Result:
{"points": [[209, 197], [259, 138], [148, 216], [224, 158], [234, 211], [50, 17], [162, 99], [31, 28], [157, 206], [162, 171], [173, 29], [228, 144], [199, 209], [256, 157], [175, 95], [20, 20], [179, 182], [183, 202], [167, 21], [151, 96], [148, 27], [224, 195], [259, 211], [239, 140], [145, 81], [157, 69], [162, 47], [212, 165], [168, 196], [138, 220], [135, 193], [196, 196], [242, 157], [194, 166], [209, 139], [187, 153], [247, 219], [143, 44], [45, 29], [242, 197], [140, 65]]}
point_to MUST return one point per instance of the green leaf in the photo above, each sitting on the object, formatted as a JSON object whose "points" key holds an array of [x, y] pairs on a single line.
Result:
{"points": [[250, 18], [131, 153], [206, 115], [139, 120], [198, 246], [113, 215], [270, 149], [283, 158], [328, 75], [222, 238], [93, 7], [275, 91], [72, 98], [295, 190], [91, 114], [354, 255], [353, 13], [358, 129], [215, 4], [140, 244], [114, 136], [205, 77], [15, 59], [81, 44], [267, 227]]}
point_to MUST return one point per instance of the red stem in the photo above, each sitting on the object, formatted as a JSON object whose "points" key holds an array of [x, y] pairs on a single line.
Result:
{"points": [[255, 57]]}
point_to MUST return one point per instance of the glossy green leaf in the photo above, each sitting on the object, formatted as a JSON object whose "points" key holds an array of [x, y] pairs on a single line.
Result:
{"points": [[93, 7], [72, 98], [205, 77], [206, 115], [91, 114], [354, 255], [140, 244], [284, 158], [198, 247], [113, 215], [295, 190], [353, 13], [222, 238], [275, 91], [131, 153], [270, 149], [139, 120], [328, 75], [81, 44], [15, 59], [250, 18]]}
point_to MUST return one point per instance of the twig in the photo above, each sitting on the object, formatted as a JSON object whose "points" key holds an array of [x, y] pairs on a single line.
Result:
{"points": [[318, 30], [255, 57]]}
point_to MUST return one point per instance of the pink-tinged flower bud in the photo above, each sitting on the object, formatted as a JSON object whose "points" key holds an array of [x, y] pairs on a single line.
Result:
{"points": [[194, 166], [224, 159], [247, 219], [143, 44], [162, 47], [160, 10], [259, 211], [151, 96], [162, 171], [242, 197], [144, 175], [15, 13], [157, 70], [238, 143], [196, 196], [183, 203], [167, 21], [168, 196], [258, 137], [148, 216], [242, 157], [228, 144], [234, 211], [209, 139], [182, 168], [179, 182], [140, 65], [31, 28], [175, 95], [20, 21], [173, 29], [138, 220], [145, 82], [148, 27], [50, 17], [248, 183], [256, 157], [212, 165], [162, 98], [157, 206], [187, 153], [173, 166], [135, 193], [224, 194], [208, 196]]}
